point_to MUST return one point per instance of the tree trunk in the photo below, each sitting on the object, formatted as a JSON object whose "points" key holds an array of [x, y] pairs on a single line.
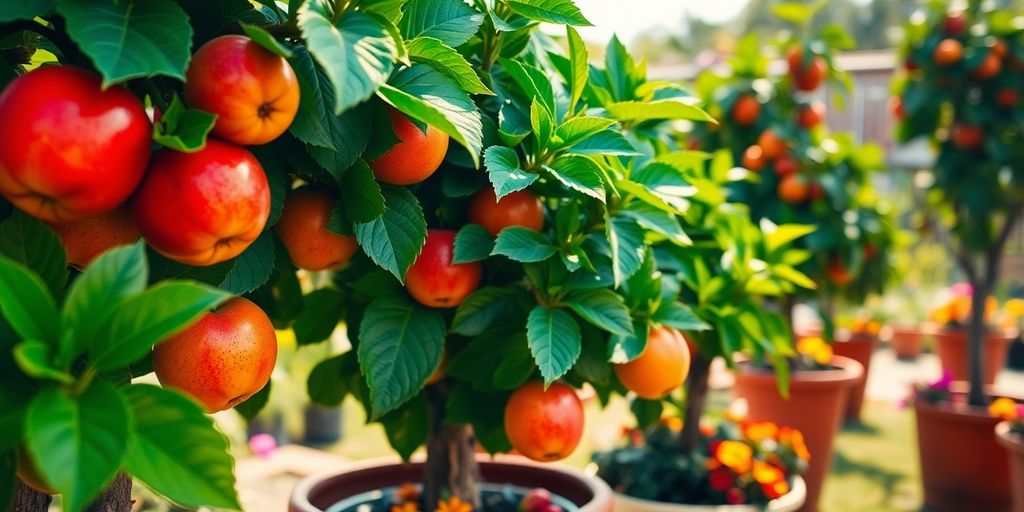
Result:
{"points": [[696, 398], [976, 338], [116, 498], [451, 457], [27, 499]]}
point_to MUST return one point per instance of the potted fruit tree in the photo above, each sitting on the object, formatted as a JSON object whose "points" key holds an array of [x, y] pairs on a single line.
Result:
{"points": [[960, 89]]}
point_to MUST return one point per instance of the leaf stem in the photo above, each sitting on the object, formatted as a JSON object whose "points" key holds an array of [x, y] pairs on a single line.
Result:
{"points": [[84, 381], [155, 96]]}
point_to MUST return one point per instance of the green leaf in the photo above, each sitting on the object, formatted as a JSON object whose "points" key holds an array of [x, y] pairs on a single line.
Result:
{"points": [[533, 81], [481, 309], [150, 317], [647, 412], [523, 244], [436, 99], [659, 109], [130, 39], [657, 220], [177, 451], [400, 345], [394, 239], [26, 304], [603, 308], [252, 406], [607, 142], [541, 123], [78, 443], [326, 384], [447, 60], [453, 22], [679, 316], [578, 59], [407, 427], [14, 400], [502, 165], [252, 268], [23, 10], [555, 341], [28, 241], [358, 54], [777, 237], [472, 243], [625, 348], [183, 129], [35, 359], [796, 13], [579, 173], [559, 12], [794, 276], [263, 38], [581, 128], [626, 239], [361, 194], [322, 310]]}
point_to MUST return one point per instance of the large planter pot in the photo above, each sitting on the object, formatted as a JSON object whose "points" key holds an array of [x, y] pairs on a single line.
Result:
{"points": [[1014, 443], [816, 403], [952, 347], [790, 502], [906, 342], [860, 348], [962, 467], [318, 493]]}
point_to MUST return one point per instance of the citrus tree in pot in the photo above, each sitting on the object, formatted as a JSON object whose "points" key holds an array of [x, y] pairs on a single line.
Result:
{"points": [[960, 89]]}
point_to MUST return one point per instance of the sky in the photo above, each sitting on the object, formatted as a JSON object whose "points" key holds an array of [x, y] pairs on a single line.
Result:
{"points": [[629, 18]]}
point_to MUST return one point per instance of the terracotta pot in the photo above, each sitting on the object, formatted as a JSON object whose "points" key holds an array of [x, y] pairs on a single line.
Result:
{"points": [[318, 492], [906, 343], [815, 407], [962, 467], [952, 347], [859, 348], [789, 502], [1015, 444]]}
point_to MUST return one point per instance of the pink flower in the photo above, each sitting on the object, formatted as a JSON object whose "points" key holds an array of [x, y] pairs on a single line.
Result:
{"points": [[962, 289], [262, 445], [944, 382]]}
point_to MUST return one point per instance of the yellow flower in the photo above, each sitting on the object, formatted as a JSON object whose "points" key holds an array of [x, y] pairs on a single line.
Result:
{"points": [[795, 439], [1014, 307], [1003, 408], [735, 455], [454, 504], [824, 355], [809, 345], [767, 474], [760, 430]]}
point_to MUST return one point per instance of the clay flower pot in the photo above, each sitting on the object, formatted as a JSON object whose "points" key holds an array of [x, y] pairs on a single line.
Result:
{"points": [[859, 347], [320, 492], [1014, 443], [962, 466], [788, 502], [952, 347], [906, 342], [815, 407]]}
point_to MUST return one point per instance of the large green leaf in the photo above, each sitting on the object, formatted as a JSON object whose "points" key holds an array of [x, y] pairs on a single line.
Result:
{"points": [[483, 307], [523, 244], [607, 142], [150, 317], [436, 99], [559, 12], [555, 341], [357, 53], [579, 173], [23, 10], [679, 316], [360, 193], [327, 382], [35, 358], [625, 348], [78, 443], [177, 451], [400, 345], [472, 243], [603, 308], [626, 240], [322, 310], [660, 109], [447, 60], [453, 22], [26, 304], [253, 267], [580, 128], [130, 39], [394, 239], [31, 243], [407, 427], [579, 64], [502, 165]]}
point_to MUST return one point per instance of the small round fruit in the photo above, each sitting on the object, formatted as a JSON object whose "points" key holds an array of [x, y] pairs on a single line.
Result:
{"points": [[753, 158], [786, 166], [87, 238], [870, 251], [68, 148], [303, 230], [999, 48], [254, 93], [955, 23], [30, 475], [948, 52], [415, 157], [838, 274], [793, 190], [205, 207], [660, 368], [544, 425], [815, 191], [222, 359], [806, 77], [536, 500], [896, 108], [967, 136], [520, 208], [772, 146], [1007, 98], [989, 67], [746, 110], [433, 280], [812, 115]]}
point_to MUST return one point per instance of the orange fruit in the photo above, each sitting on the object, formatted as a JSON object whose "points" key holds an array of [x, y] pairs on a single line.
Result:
{"points": [[793, 190], [753, 158], [948, 52], [661, 367], [746, 110]]}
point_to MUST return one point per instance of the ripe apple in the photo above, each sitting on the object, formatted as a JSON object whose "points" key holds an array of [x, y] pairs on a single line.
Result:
{"points": [[811, 115], [223, 358], [68, 148], [303, 230], [772, 146], [967, 136], [536, 500], [433, 280], [837, 273], [746, 110], [254, 93], [544, 425], [660, 368], [948, 52], [955, 23], [520, 208], [793, 189], [87, 238], [753, 158], [415, 157], [806, 77], [205, 207], [786, 166]]}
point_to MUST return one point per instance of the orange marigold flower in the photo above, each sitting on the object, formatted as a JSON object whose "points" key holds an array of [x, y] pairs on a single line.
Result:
{"points": [[735, 455], [454, 504], [761, 430], [776, 489], [407, 506], [766, 473], [407, 492], [824, 355], [1003, 408], [874, 327], [795, 440], [809, 345]]}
